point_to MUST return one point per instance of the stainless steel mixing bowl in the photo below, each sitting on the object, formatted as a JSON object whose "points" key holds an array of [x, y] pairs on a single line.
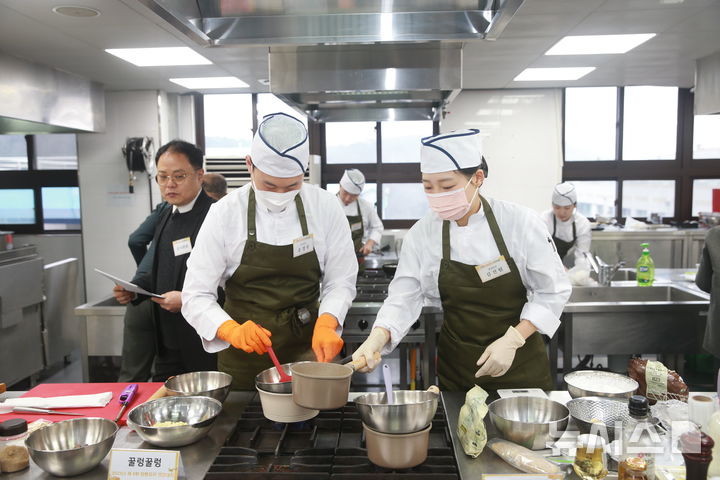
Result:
{"points": [[598, 383], [205, 384], [413, 410], [198, 412], [529, 421], [269, 379], [72, 447]]}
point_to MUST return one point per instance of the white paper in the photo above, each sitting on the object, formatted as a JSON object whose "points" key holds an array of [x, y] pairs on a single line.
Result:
{"points": [[130, 287], [68, 401]]}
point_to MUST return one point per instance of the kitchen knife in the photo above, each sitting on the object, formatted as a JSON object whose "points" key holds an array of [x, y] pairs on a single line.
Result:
{"points": [[125, 398], [42, 410]]}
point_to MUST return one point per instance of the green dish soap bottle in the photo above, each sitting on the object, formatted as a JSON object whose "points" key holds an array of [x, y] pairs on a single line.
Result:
{"points": [[645, 267]]}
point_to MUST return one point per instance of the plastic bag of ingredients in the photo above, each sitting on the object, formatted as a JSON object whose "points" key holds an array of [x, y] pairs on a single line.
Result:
{"points": [[471, 424], [522, 458]]}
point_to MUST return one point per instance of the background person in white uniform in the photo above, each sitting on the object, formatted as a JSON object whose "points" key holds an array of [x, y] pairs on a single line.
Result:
{"points": [[491, 266], [570, 230], [270, 244], [365, 224]]}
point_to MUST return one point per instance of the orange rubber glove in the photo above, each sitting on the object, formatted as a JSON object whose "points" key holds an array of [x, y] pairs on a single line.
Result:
{"points": [[326, 343], [248, 336]]}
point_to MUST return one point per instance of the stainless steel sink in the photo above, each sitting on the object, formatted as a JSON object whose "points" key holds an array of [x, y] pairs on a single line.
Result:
{"points": [[625, 319], [654, 294], [625, 274]]}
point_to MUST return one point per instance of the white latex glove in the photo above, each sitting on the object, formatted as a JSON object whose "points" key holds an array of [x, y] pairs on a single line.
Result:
{"points": [[499, 355], [373, 344]]}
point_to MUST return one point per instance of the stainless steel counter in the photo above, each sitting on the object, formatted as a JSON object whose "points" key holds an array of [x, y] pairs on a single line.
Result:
{"points": [[196, 458], [670, 247], [101, 330], [623, 319]]}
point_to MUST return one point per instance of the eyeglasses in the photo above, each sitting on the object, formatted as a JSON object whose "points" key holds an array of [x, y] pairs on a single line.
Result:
{"points": [[178, 178]]}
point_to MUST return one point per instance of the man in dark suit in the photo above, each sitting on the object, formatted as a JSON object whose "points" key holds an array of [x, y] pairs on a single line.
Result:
{"points": [[180, 174]]}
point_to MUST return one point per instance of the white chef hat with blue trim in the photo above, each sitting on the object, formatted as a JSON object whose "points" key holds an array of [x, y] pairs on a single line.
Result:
{"points": [[564, 194], [353, 181], [280, 146], [451, 151]]}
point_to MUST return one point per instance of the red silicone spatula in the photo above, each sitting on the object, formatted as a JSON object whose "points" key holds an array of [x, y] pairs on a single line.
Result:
{"points": [[284, 377]]}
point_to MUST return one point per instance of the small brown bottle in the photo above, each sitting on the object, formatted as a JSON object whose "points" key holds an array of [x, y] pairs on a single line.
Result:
{"points": [[697, 451]]}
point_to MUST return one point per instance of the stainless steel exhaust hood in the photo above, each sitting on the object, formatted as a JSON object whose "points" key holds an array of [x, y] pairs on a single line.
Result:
{"points": [[379, 82], [340, 60], [35, 98], [303, 22]]}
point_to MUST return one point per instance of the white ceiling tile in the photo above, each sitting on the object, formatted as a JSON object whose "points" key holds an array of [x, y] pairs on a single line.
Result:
{"points": [[632, 21], [687, 30]]}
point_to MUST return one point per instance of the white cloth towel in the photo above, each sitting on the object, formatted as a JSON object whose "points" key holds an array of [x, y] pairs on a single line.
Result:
{"points": [[69, 401]]}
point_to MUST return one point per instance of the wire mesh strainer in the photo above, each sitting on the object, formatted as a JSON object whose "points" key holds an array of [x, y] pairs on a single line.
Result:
{"points": [[598, 415]]}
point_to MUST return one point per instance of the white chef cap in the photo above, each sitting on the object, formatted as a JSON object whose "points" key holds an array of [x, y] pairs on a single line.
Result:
{"points": [[280, 146], [451, 151], [353, 181], [564, 194]]}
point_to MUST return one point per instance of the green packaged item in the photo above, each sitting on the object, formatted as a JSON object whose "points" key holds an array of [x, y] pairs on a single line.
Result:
{"points": [[471, 424]]}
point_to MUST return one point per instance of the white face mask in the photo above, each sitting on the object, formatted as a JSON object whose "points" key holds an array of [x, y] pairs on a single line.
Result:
{"points": [[274, 201]]}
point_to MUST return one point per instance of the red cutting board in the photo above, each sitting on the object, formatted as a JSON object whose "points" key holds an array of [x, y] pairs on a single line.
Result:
{"points": [[109, 411]]}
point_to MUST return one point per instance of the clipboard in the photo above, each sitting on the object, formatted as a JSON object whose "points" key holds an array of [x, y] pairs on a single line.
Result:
{"points": [[130, 287]]}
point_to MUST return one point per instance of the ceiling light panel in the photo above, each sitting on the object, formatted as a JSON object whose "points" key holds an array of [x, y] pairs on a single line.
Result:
{"points": [[204, 83], [598, 44], [159, 57], [545, 74]]}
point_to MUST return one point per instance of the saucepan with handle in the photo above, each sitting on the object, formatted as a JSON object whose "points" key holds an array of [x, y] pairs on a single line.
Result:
{"points": [[324, 386]]}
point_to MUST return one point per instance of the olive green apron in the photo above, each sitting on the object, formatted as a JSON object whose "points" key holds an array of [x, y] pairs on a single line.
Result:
{"points": [[562, 246], [476, 314], [269, 287], [357, 230]]}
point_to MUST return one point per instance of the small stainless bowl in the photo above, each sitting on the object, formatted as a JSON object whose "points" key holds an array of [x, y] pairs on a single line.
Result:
{"points": [[529, 421], [71, 447], [599, 383], [269, 379], [198, 412], [204, 384], [413, 411]]}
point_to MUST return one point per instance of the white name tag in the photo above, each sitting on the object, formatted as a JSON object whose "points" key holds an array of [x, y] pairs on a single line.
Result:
{"points": [[494, 269], [182, 246], [354, 227], [303, 245], [130, 464]]}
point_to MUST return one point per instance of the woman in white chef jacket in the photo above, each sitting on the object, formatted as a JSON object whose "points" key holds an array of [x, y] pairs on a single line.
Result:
{"points": [[490, 264], [570, 230]]}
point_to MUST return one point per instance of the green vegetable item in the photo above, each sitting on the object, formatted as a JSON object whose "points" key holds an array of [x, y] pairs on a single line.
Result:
{"points": [[471, 426]]}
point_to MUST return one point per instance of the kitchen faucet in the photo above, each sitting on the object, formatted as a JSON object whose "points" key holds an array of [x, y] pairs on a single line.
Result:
{"points": [[605, 272]]}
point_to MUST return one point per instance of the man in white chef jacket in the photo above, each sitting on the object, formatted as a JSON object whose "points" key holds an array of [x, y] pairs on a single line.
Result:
{"points": [[570, 230], [365, 224], [490, 264], [270, 244]]}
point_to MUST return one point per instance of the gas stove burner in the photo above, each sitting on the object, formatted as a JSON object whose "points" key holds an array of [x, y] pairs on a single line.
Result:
{"points": [[330, 446], [373, 276]]}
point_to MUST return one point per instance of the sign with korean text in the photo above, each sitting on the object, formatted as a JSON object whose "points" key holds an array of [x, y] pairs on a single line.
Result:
{"points": [[135, 464]]}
